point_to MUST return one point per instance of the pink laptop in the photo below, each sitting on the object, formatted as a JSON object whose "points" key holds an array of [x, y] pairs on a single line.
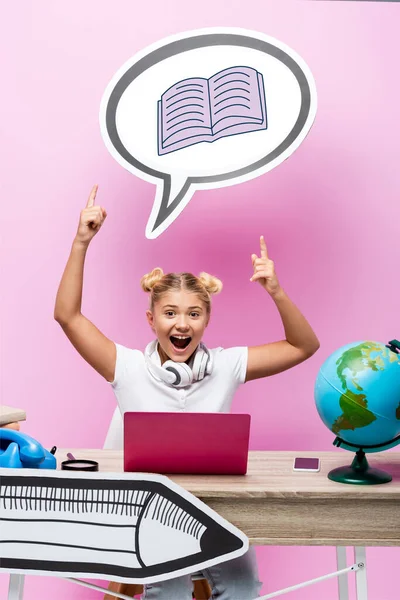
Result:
{"points": [[175, 442]]}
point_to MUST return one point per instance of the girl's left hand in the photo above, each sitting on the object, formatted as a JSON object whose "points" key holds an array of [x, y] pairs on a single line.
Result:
{"points": [[264, 270]]}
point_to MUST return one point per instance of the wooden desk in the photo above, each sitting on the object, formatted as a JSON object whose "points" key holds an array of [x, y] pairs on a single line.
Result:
{"points": [[273, 505]]}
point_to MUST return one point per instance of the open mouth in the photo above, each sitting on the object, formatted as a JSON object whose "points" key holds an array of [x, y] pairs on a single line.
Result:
{"points": [[180, 342]]}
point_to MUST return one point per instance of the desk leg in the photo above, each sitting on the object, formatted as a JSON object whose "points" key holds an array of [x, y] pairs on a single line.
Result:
{"points": [[361, 575], [343, 581], [16, 587]]}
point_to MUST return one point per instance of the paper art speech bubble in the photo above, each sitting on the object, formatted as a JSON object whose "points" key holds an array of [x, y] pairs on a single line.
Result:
{"points": [[206, 109]]}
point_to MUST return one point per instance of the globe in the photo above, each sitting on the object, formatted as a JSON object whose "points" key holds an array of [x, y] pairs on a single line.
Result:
{"points": [[357, 395]]}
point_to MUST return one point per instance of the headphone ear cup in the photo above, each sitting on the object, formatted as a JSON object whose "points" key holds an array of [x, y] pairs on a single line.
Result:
{"points": [[183, 373], [200, 364]]}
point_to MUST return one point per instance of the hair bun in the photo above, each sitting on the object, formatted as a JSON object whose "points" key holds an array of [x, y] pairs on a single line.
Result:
{"points": [[212, 284], [149, 280]]}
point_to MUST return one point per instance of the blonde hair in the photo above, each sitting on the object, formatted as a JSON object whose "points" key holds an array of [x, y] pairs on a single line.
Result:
{"points": [[157, 283]]}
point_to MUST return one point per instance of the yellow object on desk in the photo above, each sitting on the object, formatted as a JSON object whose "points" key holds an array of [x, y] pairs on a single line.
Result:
{"points": [[273, 505]]}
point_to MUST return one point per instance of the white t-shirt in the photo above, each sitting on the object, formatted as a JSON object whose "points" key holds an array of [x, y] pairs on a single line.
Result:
{"points": [[138, 390]]}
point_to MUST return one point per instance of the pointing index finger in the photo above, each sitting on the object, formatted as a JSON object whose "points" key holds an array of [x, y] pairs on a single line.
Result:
{"points": [[92, 196], [263, 247]]}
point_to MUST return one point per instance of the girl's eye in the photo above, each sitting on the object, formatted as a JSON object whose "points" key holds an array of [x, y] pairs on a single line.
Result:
{"points": [[169, 313], [194, 314]]}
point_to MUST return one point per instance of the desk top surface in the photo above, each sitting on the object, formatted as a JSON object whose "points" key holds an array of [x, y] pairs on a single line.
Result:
{"points": [[270, 475]]}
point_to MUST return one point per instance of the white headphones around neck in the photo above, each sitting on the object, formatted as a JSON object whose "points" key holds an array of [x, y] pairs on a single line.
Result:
{"points": [[178, 374]]}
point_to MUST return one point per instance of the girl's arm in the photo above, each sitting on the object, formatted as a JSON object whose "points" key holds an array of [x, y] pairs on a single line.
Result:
{"points": [[300, 343], [91, 344]]}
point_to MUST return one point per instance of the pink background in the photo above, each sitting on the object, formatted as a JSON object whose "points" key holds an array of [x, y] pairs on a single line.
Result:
{"points": [[330, 215]]}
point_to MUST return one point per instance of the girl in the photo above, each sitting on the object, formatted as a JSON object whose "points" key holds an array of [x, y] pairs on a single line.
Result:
{"points": [[177, 371]]}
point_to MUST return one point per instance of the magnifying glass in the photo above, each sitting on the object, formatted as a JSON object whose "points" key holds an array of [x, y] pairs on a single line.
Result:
{"points": [[76, 464]]}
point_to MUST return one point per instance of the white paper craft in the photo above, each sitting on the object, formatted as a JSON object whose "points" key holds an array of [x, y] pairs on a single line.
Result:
{"points": [[121, 526]]}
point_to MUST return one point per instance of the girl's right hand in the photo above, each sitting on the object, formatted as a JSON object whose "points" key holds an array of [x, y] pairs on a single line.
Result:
{"points": [[91, 219]]}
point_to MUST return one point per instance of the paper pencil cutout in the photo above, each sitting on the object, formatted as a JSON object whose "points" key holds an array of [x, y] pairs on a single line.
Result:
{"points": [[121, 526], [204, 110]]}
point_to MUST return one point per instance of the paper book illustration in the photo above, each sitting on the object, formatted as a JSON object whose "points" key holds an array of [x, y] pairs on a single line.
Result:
{"points": [[204, 110], [128, 527], [162, 106]]}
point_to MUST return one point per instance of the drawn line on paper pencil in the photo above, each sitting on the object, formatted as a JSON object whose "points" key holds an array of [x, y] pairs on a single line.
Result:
{"points": [[74, 500], [59, 545], [131, 526]]}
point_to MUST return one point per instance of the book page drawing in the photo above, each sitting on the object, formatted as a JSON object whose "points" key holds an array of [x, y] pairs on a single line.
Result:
{"points": [[203, 110]]}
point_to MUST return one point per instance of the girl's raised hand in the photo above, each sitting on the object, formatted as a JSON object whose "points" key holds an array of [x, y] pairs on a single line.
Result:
{"points": [[91, 219], [264, 270]]}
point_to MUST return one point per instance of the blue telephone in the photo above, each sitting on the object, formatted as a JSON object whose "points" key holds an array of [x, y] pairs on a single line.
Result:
{"points": [[18, 451]]}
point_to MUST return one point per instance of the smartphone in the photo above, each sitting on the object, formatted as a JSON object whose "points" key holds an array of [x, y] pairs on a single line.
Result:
{"points": [[306, 464]]}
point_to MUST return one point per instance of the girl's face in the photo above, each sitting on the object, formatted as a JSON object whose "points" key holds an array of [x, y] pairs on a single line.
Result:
{"points": [[178, 319]]}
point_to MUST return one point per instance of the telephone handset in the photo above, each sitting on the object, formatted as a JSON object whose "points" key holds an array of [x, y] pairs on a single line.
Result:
{"points": [[18, 450]]}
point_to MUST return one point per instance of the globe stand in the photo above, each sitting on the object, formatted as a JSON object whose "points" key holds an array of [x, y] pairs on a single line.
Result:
{"points": [[359, 472]]}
